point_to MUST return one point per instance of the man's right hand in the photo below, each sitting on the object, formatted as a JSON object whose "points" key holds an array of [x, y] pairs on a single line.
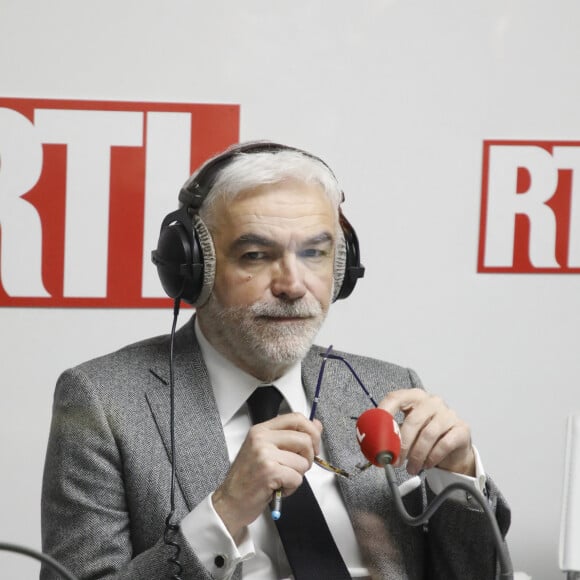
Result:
{"points": [[275, 455]]}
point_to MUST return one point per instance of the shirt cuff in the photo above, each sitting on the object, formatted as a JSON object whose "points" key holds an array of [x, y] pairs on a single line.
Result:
{"points": [[209, 538], [438, 479]]}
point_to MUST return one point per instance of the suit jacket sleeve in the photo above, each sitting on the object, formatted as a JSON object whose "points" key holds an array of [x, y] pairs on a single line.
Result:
{"points": [[87, 522]]}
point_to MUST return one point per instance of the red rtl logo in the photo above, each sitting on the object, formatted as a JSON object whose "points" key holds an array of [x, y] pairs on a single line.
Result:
{"points": [[530, 210], [84, 186]]}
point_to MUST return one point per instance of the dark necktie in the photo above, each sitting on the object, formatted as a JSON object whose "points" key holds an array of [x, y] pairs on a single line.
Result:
{"points": [[308, 543]]}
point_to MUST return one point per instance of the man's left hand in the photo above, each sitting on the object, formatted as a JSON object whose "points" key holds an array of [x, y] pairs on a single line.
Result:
{"points": [[432, 435]]}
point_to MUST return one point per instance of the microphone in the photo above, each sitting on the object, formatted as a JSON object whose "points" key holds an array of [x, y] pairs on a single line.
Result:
{"points": [[379, 438]]}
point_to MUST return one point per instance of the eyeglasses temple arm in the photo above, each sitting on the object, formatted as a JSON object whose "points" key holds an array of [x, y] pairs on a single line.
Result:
{"points": [[319, 383], [336, 357]]}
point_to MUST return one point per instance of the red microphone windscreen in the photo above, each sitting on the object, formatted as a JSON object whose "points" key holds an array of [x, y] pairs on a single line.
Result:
{"points": [[376, 432]]}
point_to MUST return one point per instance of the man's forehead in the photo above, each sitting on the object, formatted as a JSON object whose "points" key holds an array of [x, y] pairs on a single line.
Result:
{"points": [[278, 206], [280, 196]]}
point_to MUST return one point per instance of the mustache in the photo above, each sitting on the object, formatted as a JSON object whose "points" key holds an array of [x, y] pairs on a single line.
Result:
{"points": [[300, 309]]}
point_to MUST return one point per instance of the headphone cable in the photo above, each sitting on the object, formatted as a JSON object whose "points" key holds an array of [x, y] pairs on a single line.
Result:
{"points": [[172, 528]]}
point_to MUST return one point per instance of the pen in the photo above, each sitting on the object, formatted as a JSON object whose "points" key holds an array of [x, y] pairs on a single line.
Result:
{"points": [[277, 505]]}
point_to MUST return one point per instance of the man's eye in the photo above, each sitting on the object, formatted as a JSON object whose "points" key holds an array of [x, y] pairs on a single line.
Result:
{"points": [[313, 253], [253, 256]]}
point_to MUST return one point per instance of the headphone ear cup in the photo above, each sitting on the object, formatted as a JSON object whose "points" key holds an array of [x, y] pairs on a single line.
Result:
{"points": [[179, 258], [348, 253]]}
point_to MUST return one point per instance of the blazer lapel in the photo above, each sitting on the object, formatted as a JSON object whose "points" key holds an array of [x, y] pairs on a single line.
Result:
{"points": [[198, 430]]}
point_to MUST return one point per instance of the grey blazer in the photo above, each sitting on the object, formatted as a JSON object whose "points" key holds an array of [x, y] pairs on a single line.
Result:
{"points": [[106, 483]]}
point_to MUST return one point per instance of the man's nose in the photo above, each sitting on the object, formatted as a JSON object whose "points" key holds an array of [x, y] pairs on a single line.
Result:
{"points": [[288, 278]]}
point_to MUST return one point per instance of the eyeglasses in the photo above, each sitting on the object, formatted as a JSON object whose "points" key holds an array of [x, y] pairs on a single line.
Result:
{"points": [[318, 460]]}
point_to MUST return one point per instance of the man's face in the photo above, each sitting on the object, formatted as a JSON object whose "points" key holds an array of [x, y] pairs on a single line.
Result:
{"points": [[275, 249]]}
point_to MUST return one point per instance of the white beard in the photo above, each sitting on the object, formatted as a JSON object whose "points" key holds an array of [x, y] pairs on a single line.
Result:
{"points": [[248, 335]]}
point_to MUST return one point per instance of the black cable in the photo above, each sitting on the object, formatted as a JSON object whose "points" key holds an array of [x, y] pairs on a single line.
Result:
{"points": [[172, 528], [505, 564], [51, 562]]}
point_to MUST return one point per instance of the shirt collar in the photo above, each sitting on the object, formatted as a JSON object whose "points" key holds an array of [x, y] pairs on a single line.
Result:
{"points": [[232, 386]]}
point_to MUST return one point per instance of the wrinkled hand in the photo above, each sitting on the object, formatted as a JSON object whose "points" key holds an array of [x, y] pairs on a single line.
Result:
{"points": [[432, 435], [275, 455]]}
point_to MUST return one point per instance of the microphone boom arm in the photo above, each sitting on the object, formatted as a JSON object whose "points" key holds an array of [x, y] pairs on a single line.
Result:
{"points": [[506, 569]]}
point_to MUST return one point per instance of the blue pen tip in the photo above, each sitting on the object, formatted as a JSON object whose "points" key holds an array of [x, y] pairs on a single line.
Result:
{"points": [[276, 515]]}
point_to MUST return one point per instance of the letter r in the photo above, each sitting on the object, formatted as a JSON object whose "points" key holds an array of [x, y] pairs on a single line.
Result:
{"points": [[504, 203], [21, 228]]}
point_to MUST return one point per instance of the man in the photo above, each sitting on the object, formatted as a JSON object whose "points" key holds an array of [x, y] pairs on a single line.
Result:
{"points": [[276, 252]]}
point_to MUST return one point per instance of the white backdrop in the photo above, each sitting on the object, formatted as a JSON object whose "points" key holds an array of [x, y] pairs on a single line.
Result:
{"points": [[398, 98]]}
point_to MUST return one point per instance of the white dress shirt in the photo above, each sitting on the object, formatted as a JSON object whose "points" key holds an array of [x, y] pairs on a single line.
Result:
{"points": [[260, 547]]}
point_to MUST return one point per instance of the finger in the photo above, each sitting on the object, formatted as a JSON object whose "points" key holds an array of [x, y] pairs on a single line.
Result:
{"points": [[294, 442], [287, 479], [263, 444], [454, 451], [410, 429], [427, 437], [296, 422], [285, 471], [290, 460], [402, 400]]}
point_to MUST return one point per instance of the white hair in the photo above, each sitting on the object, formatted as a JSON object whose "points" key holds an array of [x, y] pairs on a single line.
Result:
{"points": [[249, 170]]}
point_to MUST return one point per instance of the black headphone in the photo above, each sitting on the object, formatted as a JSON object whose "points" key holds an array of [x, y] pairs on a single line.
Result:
{"points": [[184, 239]]}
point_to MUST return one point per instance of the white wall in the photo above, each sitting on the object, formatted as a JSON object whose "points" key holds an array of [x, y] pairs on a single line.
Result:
{"points": [[397, 97]]}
